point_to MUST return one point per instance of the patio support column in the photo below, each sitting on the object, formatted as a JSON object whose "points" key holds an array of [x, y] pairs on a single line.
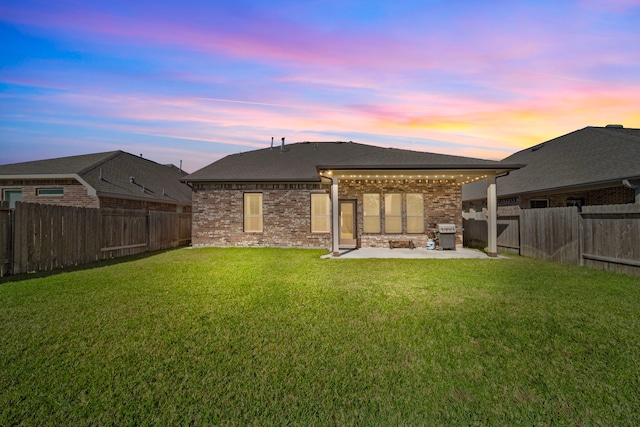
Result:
{"points": [[335, 218], [492, 216]]}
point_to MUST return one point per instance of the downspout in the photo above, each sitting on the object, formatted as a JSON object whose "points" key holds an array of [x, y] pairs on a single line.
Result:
{"points": [[626, 183]]}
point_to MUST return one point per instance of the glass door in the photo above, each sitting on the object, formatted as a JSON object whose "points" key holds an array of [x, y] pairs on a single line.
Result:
{"points": [[348, 224]]}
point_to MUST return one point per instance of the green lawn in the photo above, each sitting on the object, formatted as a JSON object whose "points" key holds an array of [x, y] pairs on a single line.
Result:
{"points": [[282, 337]]}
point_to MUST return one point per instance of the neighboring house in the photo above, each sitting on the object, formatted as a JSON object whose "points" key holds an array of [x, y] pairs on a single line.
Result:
{"points": [[585, 167], [103, 180], [330, 195]]}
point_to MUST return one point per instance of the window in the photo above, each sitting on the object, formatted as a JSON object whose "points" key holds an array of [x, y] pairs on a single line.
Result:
{"points": [[320, 213], [371, 213], [50, 191], [253, 212], [12, 196], [393, 213], [415, 213], [579, 202], [539, 204]]}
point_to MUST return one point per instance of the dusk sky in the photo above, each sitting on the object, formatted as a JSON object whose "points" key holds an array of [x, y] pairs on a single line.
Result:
{"points": [[197, 80]]}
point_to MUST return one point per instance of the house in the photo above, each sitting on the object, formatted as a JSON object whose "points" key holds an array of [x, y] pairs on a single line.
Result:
{"points": [[113, 179], [590, 166], [331, 195]]}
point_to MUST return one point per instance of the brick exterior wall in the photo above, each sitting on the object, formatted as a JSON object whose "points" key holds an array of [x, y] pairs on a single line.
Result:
{"points": [[218, 216], [619, 195], [603, 196], [116, 203], [442, 204], [75, 194]]}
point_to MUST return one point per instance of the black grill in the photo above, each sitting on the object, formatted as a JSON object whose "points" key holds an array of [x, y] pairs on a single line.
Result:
{"points": [[447, 236]]}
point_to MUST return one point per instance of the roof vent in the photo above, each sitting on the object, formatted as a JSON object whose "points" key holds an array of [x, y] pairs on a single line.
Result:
{"points": [[615, 126], [282, 146]]}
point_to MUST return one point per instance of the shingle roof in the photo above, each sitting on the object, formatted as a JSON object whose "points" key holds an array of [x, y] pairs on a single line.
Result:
{"points": [[61, 165], [586, 157], [109, 174], [299, 162]]}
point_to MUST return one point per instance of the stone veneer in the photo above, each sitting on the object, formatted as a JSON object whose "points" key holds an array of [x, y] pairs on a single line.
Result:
{"points": [[218, 212]]}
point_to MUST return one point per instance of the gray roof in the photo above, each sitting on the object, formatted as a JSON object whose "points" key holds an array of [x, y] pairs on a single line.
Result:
{"points": [[589, 157], [110, 175], [300, 162]]}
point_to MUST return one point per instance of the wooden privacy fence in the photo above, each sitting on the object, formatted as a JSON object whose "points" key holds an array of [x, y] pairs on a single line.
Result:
{"points": [[604, 237], [45, 237]]}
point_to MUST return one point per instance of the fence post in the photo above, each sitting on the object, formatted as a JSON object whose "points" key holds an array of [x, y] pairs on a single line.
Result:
{"points": [[6, 241], [148, 229], [12, 239], [580, 238]]}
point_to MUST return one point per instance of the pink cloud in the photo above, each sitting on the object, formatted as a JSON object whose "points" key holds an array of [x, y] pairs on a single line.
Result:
{"points": [[286, 42]]}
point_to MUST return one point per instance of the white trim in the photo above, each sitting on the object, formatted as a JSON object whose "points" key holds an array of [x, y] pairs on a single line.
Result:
{"points": [[335, 223], [492, 216]]}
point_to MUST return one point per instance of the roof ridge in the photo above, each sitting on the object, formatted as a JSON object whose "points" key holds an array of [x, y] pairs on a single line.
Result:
{"points": [[616, 132], [112, 154]]}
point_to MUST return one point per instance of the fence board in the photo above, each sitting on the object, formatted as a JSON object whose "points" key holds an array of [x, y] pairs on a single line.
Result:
{"points": [[475, 233], [603, 237], [6, 240], [611, 238], [509, 232], [124, 232], [550, 234], [46, 237]]}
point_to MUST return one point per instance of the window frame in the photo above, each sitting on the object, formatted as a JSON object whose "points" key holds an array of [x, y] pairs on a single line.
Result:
{"points": [[531, 203], [388, 215], [421, 216], [375, 216], [326, 216], [39, 192], [248, 216], [6, 191], [579, 202]]}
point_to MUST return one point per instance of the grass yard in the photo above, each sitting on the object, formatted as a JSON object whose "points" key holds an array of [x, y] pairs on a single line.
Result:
{"points": [[282, 337]]}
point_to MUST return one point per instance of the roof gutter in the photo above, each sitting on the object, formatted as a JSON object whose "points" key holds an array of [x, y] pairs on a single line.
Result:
{"points": [[505, 167], [249, 181]]}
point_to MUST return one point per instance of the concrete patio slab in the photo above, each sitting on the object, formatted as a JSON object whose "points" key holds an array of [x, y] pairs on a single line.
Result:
{"points": [[417, 253]]}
